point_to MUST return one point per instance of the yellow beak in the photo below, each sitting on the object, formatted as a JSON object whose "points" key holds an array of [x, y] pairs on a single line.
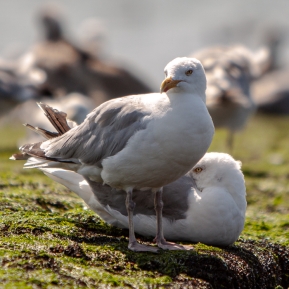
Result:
{"points": [[168, 83]]}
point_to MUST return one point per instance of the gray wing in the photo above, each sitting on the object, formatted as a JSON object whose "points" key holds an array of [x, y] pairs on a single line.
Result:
{"points": [[104, 132], [175, 198]]}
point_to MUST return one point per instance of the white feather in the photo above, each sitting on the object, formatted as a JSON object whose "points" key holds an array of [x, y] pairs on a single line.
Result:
{"points": [[215, 215]]}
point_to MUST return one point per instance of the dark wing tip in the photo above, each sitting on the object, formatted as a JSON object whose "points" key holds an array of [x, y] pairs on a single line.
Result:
{"points": [[19, 156]]}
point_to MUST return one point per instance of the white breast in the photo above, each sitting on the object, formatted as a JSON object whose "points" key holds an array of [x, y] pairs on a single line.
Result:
{"points": [[169, 146]]}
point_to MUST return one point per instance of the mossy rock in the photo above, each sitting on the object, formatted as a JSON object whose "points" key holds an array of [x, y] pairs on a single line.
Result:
{"points": [[50, 239]]}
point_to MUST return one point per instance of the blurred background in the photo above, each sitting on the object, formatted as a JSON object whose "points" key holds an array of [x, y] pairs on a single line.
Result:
{"points": [[148, 34], [76, 54]]}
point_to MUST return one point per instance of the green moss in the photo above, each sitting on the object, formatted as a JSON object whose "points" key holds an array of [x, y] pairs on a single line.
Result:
{"points": [[50, 239]]}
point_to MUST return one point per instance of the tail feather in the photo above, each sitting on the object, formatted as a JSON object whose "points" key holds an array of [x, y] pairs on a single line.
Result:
{"points": [[38, 163], [36, 156], [34, 151], [19, 157], [43, 132], [33, 162], [57, 118]]}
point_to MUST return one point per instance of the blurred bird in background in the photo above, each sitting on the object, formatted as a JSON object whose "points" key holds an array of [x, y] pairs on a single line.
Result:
{"points": [[230, 71], [271, 90], [14, 90], [69, 77], [63, 63], [69, 68], [61, 67]]}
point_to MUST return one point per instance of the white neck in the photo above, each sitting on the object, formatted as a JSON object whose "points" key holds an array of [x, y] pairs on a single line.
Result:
{"points": [[174, 96]]}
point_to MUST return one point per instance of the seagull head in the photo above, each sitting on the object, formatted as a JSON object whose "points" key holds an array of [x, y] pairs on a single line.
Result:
{"points": [[185, 75], [217, 170], [230, 72]]}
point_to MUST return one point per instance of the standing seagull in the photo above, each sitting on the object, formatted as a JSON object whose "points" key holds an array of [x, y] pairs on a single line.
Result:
{"points": [[138, 142], [230, 72]]}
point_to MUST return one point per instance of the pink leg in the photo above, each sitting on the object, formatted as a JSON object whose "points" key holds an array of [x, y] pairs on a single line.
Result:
{"points": [[133, 244], [159, 239]]}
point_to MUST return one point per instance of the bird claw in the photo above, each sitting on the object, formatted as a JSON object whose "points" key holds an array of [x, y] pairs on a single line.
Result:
{"points": [[163, 244], [137, 247]]}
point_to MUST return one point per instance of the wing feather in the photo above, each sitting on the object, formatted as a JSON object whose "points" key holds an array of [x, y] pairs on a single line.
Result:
{"points": [[104, 132]]}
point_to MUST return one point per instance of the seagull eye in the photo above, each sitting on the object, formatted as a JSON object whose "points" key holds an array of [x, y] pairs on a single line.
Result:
{"points": [[198, 170], [189, 72]]}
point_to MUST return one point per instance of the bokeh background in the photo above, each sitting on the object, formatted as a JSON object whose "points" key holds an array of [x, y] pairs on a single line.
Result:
{"points": [[147, 34], [48, 236]]}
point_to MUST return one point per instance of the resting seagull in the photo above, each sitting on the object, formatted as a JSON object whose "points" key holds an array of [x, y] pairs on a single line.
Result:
{"points": [[139, 142], [206, 205]]}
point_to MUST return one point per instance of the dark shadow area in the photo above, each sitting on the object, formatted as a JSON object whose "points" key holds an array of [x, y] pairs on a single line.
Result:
{"points": [[247, 264]]}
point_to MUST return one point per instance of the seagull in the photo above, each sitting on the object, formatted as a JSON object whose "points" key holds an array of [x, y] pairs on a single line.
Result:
{"points": [[14, 90], [65, 67], [206, 205], [230, 71], [139, 142], [271, 92]]}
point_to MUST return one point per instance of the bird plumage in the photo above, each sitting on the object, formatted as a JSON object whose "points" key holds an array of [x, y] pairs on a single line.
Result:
{"points": [[207, 207], [138, 142]]}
